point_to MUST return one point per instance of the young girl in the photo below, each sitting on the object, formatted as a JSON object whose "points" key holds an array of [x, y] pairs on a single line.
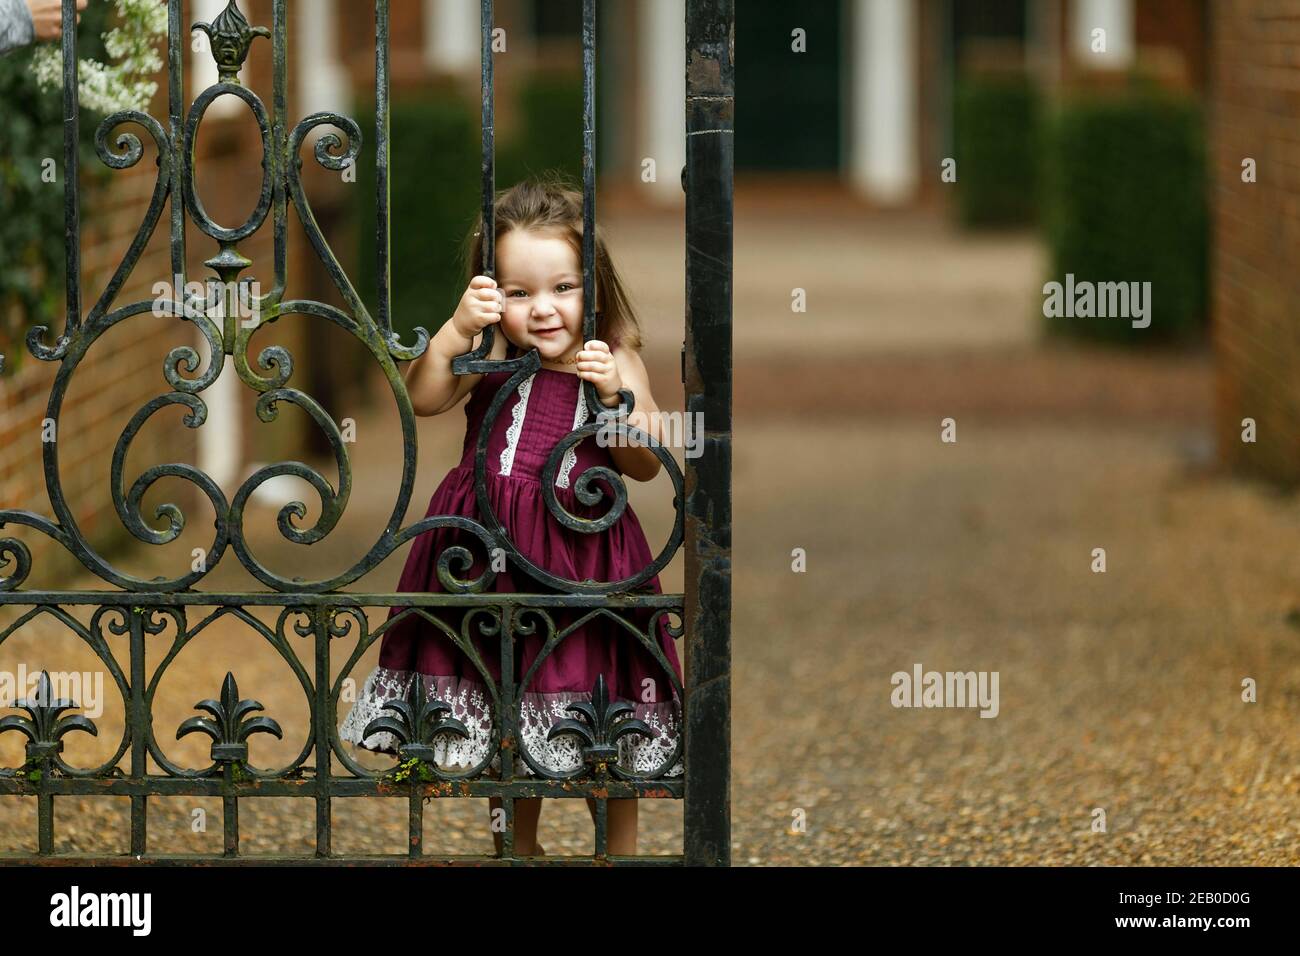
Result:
{"points": [[537, 304]]}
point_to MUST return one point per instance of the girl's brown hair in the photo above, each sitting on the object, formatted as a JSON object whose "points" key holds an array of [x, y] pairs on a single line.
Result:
{"points": [[550, 203]]}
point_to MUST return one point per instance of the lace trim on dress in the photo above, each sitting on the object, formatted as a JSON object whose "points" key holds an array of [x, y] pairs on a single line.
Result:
{"points": [[472, 705], [571, 456], [516, 425]]}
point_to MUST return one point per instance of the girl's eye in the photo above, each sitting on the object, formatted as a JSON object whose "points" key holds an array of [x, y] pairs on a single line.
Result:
{"points": [[518, 292], [564, 285]]}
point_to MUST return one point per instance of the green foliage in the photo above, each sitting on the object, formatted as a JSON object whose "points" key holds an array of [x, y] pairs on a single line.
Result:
{"points": [[434, 198], [404, 769], [31, 769], [1124, 200], [413, 767], [435, 187], [32, 252], [997, 122], [550, 134]]}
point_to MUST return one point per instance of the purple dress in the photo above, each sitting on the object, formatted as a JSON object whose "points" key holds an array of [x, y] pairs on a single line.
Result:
{"points": [[532, 422]]}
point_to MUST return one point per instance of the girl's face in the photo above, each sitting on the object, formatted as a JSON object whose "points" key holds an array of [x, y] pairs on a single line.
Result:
{"points": [[541, 278]]}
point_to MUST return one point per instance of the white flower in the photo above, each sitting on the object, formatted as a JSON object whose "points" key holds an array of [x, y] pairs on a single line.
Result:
{"points": [[127, 84]]}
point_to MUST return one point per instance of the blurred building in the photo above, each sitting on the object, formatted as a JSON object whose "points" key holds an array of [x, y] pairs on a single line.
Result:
{"points": [[847, 102], [853, 96]]}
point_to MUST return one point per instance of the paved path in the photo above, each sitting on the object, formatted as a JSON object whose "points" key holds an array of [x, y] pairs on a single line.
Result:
{"points": [[1118, 691]]}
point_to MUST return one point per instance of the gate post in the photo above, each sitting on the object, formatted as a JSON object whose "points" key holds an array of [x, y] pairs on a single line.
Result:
{"points": [[710, 117]]}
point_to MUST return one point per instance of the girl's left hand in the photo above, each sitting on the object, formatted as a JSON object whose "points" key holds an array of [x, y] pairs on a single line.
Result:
{"points": [[596, 365]]}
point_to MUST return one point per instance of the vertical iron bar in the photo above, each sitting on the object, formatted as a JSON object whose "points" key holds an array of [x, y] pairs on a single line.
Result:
{"points": [[509, 727], [602, 828], [487, 180], [176, 109], [383, 274], [45, 815], [325, 722], [488, 160], [508, 834], [589, 190], [229, 813], [415, 819], [139, 720], [71, 167], [280, 146], [710, 123]]}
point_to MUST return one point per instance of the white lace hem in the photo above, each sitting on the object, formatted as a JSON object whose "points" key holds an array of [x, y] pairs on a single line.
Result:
{"points": [[471, 705], [516, 425]]}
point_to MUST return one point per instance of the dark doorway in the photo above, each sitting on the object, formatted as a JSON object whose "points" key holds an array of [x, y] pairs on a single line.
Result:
{"points": [[789, 117]]}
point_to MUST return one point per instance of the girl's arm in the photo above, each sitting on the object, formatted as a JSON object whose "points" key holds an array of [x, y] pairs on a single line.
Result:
{"points": [[463, 384], [637, 462], [430, 382]]}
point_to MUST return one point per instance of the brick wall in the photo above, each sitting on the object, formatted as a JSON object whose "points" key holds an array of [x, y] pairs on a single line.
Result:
{"points": [[112, 380], [1170, 36], [123, 370], [1171, 40], [1255, 113]]}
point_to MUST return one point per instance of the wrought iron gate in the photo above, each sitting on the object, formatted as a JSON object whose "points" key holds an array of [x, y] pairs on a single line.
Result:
{"points": [[141, 610]]}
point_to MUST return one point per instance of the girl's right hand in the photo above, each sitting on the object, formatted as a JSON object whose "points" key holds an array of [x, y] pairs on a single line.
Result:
{"points": [[481, 305]]}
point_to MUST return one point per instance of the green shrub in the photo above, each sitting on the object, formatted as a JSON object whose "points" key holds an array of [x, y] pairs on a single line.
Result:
{"points": [[550, 132], [996, 128], [434, 190], [1124, 201]]}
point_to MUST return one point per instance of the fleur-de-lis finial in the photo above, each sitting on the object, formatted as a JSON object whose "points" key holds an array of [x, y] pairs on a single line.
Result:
{"points": [[602, 723], [227, 727], [44, 728], [419, 720], [230, 36]]}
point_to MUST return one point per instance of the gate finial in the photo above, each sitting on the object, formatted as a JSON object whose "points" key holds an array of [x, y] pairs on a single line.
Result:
{"points": [[230, 37]]}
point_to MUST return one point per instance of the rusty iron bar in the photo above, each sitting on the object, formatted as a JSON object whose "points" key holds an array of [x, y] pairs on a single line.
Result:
{"points": [[710, 160]]}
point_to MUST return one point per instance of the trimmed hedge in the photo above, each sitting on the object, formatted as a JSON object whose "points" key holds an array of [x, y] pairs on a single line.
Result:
{"points": [[550, 134], [434, 198], [996, 127], [1124, 201], [434, 188]]}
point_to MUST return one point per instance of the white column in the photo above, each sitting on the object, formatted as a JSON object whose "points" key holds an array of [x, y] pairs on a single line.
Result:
{"points": [[203, 66], [451, 35], [1113, 16], [661, 96], [221, 438], [883, 132], [322, 81]]}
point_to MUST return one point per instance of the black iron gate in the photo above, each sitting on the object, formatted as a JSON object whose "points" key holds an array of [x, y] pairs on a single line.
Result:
{"points": [[143, 611]]}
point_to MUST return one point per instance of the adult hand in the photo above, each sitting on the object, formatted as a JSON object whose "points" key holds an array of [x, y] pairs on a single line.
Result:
{"points": [[47, 17]]}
